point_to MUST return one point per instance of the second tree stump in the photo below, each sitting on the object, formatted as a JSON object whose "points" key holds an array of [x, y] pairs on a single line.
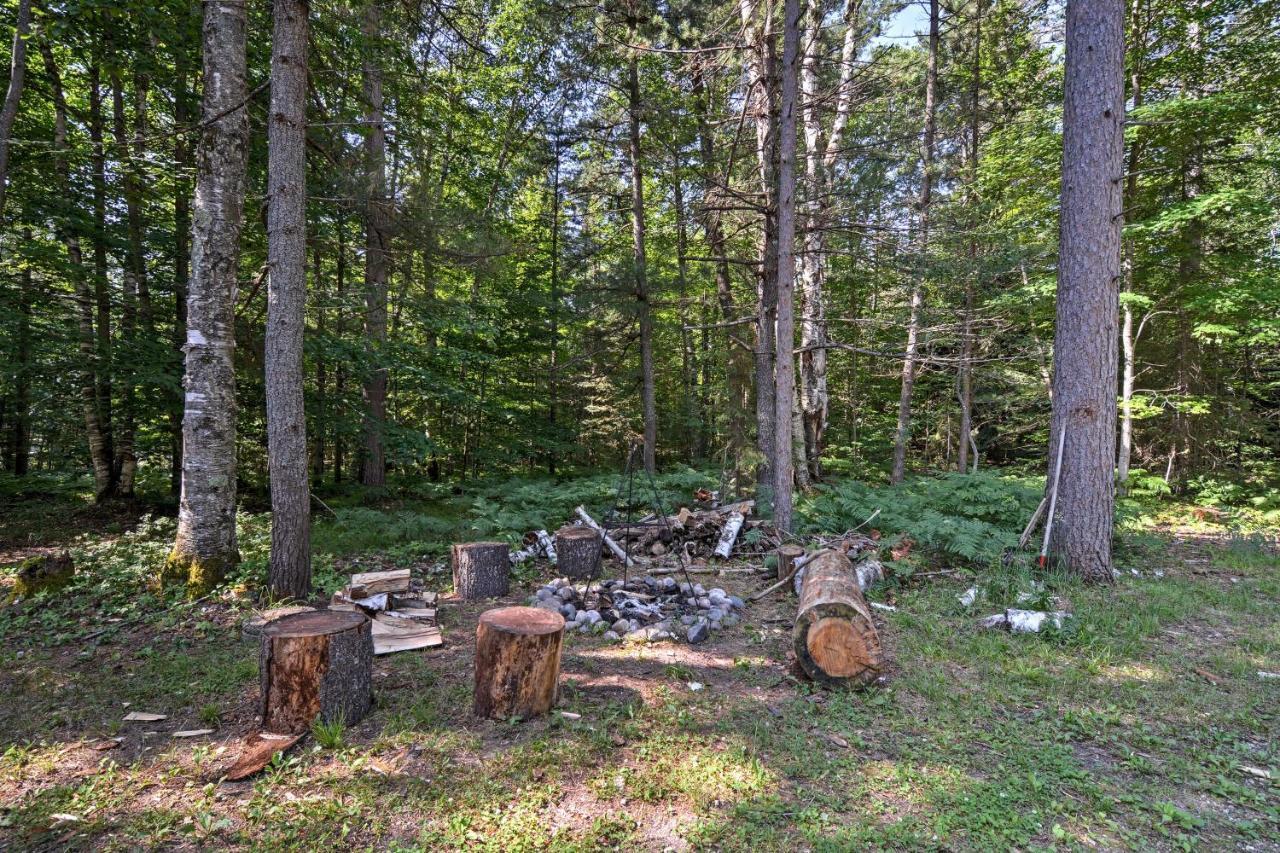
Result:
{"points": [[481, 570], [517, 662], [578, 552], [315, 665]]}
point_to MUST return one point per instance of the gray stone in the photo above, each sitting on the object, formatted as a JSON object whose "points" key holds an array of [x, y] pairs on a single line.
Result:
{"points": [[545, 594], [688, 619], [566, 593], [622, 626], [612, 636], [590, 617], [572, 625], [699, 589], [704, 602], [715, 625], [568, 611], [717, 592], [730, 620], [715, 614], [548, 605], [738, 603], [686, 589], [699, 631]]}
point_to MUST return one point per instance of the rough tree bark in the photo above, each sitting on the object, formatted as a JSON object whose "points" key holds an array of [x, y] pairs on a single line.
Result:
{"points": [[13, 95], [182, 191], [205, 545], [820, 161], [290, 572], [1084, 369], [922, 237], [99, 449], [20, 432], [639, 272], [967, 341], [784, 362], [373, 467]]}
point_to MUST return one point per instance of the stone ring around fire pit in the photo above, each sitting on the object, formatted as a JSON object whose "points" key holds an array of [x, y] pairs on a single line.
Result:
{"points": [[644, 609]]}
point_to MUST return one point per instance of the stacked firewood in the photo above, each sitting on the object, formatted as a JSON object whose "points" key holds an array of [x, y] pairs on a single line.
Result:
{"points": [[403, 617], [696, 534]]}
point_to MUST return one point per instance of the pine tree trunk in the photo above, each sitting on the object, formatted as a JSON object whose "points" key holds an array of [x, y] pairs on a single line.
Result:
{"points": [[903, 435], [1084, 369], [20, 435], [639, 271], [290, 572], [373, 467], [106, 360], [784, 363], [182, 191], [967, 342], [13, 95], [205, 546], [99, 449]]}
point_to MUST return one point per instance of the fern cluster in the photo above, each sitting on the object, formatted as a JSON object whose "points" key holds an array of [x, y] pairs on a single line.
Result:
{"points": [[970, 517]]}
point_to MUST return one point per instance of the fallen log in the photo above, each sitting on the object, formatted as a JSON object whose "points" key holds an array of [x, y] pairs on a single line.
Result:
{"points": [[729, 535], [578, 550], [481, 570], [547, 545], [517, 666], [613, 546], [315, 665], [835, 639]]}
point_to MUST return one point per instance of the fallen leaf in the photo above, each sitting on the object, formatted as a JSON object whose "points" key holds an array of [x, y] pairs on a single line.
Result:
{"points": [[143, 717]]}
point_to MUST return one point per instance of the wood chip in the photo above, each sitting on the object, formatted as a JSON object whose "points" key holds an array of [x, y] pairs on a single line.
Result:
{"points": [[193, 733], [1210, 677], [143, 717], [569, 715], [838, 741], [256, 753]]}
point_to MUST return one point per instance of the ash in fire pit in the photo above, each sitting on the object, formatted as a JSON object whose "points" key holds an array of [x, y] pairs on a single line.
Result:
{"points": [[642, 609]]}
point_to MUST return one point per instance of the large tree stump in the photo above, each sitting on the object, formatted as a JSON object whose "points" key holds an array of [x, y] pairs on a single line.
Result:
{"points": [[481, 570], [517, 662], [835, 640], [315, 665], [578, 552]]}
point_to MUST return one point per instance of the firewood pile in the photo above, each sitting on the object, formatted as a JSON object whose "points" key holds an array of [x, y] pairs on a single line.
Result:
{"points": [[643, 609], [404, 616]]}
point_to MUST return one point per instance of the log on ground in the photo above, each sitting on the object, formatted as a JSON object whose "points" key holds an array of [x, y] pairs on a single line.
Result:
{"points": [[481, 570], [578, 552], [315, 665], [517, 662], [836, 642]]}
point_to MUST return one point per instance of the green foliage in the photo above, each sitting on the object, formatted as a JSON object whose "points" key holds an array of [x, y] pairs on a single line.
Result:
{"points": [[331, 734], [968, 517]]}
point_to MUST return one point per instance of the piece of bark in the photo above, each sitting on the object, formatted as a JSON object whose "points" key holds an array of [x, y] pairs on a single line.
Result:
{"points": [[395, 580], [835, 639], [315, 665], [613, 546], [729, 535], [256, 753], [517, 666], [578, 549], [481, 570]]}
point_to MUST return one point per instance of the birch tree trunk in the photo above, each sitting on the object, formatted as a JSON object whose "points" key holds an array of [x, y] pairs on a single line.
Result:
{"points": [[290, 572], [784, 364], [99, 450], [373, 468], [639, 272], [205, 545], [1084, 369], [13, 95], [182, 192], [922, 236]]}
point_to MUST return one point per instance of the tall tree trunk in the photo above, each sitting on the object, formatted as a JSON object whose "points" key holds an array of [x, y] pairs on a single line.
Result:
{"points": [[1084, 368], [554, 312], [967, 342], [639, 271], [17, 76], [205, 546], [182, 117], [1128, 336], [339, 369], [322, 370], [99, 450], [922, 237], [737, 360], [20, 432], [290, 572], [761, 63], [373, 468], [688, 373], [137, 298], [784, 363], [104, 343]]}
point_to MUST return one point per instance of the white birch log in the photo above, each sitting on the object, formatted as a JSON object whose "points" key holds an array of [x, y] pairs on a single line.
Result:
{"points": [[548, 545], [608, 541], [729, 535]]}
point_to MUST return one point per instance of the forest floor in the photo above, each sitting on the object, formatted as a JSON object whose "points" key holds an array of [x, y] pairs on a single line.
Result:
{"points": [[1146, 725]]}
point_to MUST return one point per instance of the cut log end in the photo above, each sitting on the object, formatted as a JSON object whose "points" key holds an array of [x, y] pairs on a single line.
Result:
{"points": [[835, 640]]}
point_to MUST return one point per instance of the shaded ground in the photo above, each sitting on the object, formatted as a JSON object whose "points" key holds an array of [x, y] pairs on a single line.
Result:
{"points": [[1144, 725]]}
